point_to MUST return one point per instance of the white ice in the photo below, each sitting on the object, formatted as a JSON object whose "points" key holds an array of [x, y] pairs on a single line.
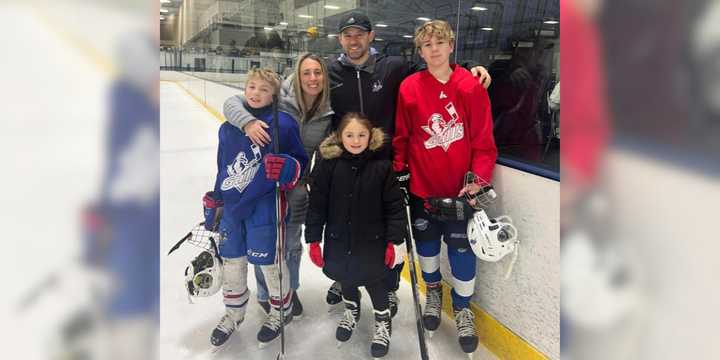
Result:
{"points": [[188, 151]]}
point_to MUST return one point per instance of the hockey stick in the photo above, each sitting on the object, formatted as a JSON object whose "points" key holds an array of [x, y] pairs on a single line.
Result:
{"points": [[409, 244], [280, 248]]}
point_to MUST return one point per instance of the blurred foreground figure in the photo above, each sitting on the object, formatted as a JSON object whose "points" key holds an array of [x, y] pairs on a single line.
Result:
{"points": [[121, 229], [131, 203], [632, 273], [105, 305], [596, 293]]}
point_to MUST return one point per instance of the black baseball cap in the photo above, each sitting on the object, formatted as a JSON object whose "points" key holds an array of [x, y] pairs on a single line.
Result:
{"points": [[358, 20]]}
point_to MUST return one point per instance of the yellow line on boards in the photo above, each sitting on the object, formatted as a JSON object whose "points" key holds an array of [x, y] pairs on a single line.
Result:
{"points": [[212, 111]]}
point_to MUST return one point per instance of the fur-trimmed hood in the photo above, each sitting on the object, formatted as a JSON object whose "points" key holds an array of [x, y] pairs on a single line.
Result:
{"points": [[332, 148]]}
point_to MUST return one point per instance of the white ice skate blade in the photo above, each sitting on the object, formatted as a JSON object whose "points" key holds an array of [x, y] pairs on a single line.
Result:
{"points": [[220, 348], [429, 333], [262, 345]]}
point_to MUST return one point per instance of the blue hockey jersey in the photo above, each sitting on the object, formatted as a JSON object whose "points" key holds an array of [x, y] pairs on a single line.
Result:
{"points": [[241, 177]]}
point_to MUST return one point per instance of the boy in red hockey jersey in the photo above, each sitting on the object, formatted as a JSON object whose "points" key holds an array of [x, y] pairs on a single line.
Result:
{"points": [[443, 129]]}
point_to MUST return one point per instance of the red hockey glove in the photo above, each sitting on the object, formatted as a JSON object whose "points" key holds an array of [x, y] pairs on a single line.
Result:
{"points": [[394, 255], [316, 254], [283, 169], [212, 210]]}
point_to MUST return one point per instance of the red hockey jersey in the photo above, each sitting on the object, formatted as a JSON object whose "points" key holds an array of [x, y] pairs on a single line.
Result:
{"points": [[442, 131]]}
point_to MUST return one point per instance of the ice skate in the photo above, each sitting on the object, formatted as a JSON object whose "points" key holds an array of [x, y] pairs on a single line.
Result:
{"points": [[225, 328], [392, 303], [264, 306], [467, 336], [433, 308], [348, 322], [297, 307], [334, 296], [383, 330], [270, 329]]}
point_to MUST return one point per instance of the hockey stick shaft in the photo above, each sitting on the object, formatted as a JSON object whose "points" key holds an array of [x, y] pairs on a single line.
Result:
{"points": [[410, 244], [280, 248]]}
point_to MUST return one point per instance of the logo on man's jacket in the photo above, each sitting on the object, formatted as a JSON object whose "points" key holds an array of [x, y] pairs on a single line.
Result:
{"points": [[242, 171], [443, 133], [377, 86]]}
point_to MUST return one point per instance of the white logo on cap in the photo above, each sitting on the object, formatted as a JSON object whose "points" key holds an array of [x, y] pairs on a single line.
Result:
{"points": [[351, 20]]}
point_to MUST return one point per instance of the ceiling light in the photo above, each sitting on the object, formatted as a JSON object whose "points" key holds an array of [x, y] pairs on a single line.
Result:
{"points": [[551, 22], [407, 36], [381, 25], [379, 39], [164, 11], [331, 7], [478, 8], [486, 29], [267, 28], [162, 18], [423, 19], [332, 35], [305, 16], [164, 1], [283, 23]]}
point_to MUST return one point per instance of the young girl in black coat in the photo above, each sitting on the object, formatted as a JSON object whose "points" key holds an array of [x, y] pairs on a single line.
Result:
{"points": [[356, 198]]}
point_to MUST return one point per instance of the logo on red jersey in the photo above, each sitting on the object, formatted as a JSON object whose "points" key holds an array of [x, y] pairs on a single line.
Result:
{"points": [[443, 133]]}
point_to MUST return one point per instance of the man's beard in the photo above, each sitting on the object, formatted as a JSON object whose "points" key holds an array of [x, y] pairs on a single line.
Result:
{"points": [[356, 54]]}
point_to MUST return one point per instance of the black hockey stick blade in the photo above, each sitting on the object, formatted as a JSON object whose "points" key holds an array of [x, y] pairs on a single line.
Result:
{"points": [[177, 245]]}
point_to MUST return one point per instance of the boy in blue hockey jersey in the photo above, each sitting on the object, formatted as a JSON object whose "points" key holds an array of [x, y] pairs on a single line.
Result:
{"points": [[245, 191]]}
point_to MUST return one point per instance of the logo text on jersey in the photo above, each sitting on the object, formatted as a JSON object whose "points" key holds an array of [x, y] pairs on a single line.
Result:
{"points": [[257, 254], [242, 171], [442, 95], [443, 133]]}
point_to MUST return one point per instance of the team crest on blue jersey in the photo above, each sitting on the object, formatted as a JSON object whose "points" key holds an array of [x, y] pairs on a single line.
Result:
{"points": [[443, 133], [242, 171]]}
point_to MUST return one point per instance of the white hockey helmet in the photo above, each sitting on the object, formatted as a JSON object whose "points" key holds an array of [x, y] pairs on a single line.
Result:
{"points": [[491, 239], [203, 277]]}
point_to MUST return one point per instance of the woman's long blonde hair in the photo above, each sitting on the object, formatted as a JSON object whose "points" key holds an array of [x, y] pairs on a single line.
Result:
{"points": [[322, 99]]}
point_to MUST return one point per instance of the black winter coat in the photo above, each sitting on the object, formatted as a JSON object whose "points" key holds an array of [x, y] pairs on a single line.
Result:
{"points": [[371, 89], [358, 201]]}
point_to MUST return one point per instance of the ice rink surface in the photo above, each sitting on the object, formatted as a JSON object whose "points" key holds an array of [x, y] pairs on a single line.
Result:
{"points": [[188, 152]]}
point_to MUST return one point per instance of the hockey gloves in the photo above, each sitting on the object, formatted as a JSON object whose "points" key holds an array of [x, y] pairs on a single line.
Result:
{"points": [[316, 254], [394, 255], [212, 210], [450, 209], [283, 169]]}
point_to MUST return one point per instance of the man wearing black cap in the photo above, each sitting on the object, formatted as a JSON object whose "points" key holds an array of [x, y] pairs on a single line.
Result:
{"points": [[362, 80]]}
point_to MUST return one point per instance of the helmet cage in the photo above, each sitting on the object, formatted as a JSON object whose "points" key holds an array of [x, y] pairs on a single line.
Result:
{"points": [[484, 197]]}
